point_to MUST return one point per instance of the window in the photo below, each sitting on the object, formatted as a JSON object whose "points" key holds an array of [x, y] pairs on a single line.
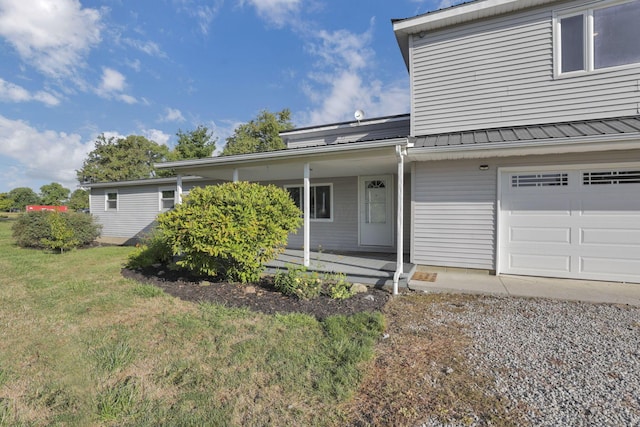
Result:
{"points": [[540, 180], [167, 199], [611, 177], [111, 200], [598, 38], [321, 206]]}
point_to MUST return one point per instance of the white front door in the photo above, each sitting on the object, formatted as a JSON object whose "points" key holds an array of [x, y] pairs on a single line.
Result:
{"points": [[376, 210]]}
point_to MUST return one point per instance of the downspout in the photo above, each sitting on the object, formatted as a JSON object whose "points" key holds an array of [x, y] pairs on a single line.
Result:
{"points": [[400, 153], [306, 205]]}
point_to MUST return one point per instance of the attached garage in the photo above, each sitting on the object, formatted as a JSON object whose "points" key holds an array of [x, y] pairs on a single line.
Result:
{"points": [[580, 222]]}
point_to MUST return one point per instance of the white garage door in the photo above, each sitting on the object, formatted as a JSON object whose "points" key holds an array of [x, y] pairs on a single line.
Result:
{"points": [[582, 224]]}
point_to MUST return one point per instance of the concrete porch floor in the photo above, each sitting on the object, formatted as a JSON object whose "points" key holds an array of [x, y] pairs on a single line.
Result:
{"points": [[369, 268]]}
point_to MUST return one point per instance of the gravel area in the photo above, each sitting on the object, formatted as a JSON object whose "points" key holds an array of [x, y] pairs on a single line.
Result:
{"points": [[560, 363]]}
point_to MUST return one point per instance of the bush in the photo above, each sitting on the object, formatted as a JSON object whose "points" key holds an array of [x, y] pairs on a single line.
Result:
{"points": [[230, 230], [55, 230], [299, 282], [296, 280], [154, 249]]}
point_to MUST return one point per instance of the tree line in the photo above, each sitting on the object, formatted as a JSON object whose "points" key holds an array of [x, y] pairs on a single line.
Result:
{"points": [[133, 157]]}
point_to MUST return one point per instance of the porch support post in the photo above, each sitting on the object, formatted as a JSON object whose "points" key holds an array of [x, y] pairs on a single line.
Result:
{"points": [[399, 220], [307, 214], [235, 175], [179, 189]]}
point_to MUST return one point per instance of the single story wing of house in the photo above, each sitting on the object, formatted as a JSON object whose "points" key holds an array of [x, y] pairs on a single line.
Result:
{"points": [[521, 154]]}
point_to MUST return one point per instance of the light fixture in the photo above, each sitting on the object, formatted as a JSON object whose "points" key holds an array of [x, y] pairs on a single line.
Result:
{"points": [[484, 167]]}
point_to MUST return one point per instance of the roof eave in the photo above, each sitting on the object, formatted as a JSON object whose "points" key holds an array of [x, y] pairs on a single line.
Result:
{"points": [[529, 147], [242, 159]]}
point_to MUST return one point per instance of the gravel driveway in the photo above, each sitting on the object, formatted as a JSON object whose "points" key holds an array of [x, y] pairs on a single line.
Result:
{"points": [[561, 363]]}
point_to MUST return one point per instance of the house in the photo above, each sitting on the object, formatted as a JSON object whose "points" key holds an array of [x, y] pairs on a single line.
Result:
{"points": [[521, 153]]}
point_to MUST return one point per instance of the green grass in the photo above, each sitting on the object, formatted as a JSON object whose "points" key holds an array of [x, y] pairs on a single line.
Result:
{"points": [[81, 345]]}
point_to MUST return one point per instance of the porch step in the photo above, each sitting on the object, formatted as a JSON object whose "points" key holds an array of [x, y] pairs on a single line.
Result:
{"points": [[369, 269]]}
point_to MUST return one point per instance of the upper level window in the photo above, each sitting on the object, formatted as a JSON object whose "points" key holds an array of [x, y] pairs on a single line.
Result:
{"points": [[320, 196], [598, 38], [111, 200]]}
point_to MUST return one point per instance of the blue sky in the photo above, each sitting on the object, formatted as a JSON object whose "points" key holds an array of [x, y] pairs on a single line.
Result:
{"points": [[70, 70]]}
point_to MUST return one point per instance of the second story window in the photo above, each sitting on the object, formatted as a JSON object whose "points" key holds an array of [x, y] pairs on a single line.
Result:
{"points": [[598, 38]]}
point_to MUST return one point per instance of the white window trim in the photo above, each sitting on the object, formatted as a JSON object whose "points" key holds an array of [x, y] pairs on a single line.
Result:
{"points": [[106, 200], [160, 190], [320, 184], [587, 11]]}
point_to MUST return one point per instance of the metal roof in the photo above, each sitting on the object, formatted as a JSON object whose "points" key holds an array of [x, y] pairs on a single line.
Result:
{"points": [[578, 129]]}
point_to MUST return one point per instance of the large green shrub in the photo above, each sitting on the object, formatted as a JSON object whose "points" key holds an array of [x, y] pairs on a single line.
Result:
{"points": [[231, 230], [55, 230]]}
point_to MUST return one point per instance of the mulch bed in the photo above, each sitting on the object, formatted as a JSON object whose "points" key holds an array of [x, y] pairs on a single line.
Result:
{"points": [[260, 297]]}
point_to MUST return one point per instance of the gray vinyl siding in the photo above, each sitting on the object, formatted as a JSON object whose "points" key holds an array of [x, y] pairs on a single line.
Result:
{"points": [[137, 210], [454, 215], [499, 72], [138, 207], [341, 234], [454, 206]]}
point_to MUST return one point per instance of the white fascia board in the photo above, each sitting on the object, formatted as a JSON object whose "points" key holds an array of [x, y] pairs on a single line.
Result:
{"points": [[291, 153], [526, 148], [137, 182]]}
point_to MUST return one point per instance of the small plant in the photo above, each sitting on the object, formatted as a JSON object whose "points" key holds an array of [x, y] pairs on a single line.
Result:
{"points": [[154, 249], [299, 282], [338, 287], [296, 280], [61, 234]]}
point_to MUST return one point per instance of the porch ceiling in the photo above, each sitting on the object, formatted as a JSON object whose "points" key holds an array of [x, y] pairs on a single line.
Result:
{"points": [[360, 162]]}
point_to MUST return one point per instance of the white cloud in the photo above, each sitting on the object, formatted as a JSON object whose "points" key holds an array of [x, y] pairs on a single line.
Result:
{"points": [[344, 79], [202, 13], [156, 135], [43, 155], [11, 92], [276, 12], [172, 115], [54, 36], [148, 47], [112, 86]]}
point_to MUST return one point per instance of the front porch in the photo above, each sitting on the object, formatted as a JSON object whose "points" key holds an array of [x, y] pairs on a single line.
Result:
{"points": [[369, 268]]}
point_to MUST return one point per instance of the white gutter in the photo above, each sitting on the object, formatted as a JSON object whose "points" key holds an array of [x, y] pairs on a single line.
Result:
{"points": [[400, 153]]}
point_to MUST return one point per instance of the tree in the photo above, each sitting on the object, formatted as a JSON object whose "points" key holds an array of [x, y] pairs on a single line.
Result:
{"points": [[120, 159], [195, 144], [260, 134], [79, 200], [53, 194], [5, 202], [23, 196]]}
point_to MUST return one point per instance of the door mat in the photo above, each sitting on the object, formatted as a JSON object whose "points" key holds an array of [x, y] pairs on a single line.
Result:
{"points": [[423, 276]]}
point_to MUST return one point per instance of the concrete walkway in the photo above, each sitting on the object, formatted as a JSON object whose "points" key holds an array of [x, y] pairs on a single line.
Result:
{"points": [[539, 287]]}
